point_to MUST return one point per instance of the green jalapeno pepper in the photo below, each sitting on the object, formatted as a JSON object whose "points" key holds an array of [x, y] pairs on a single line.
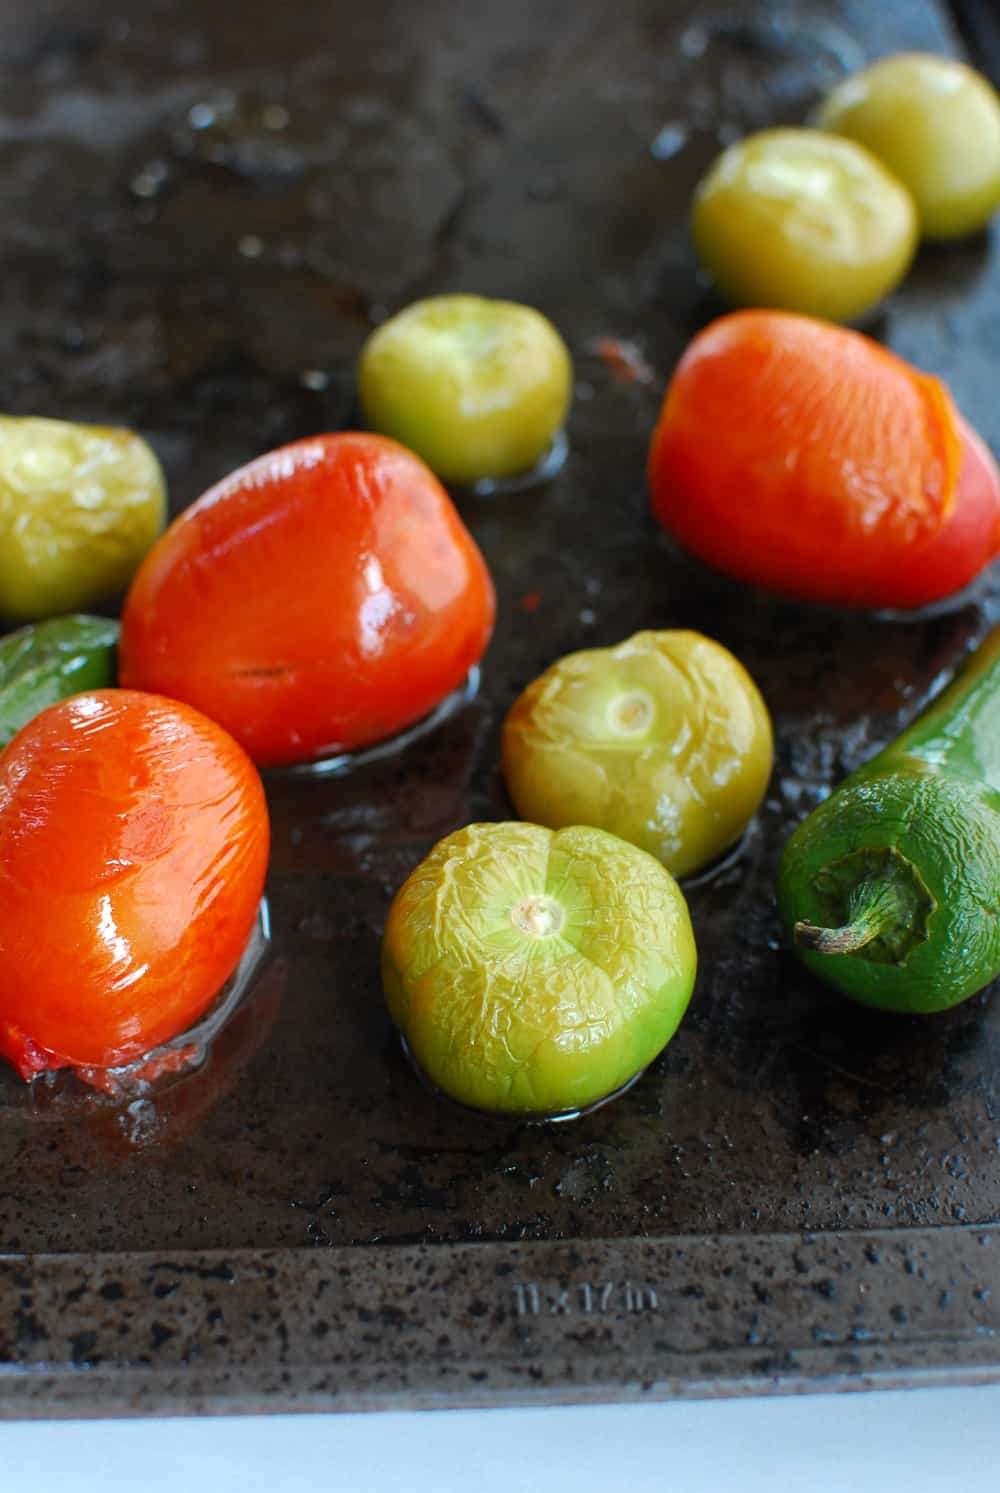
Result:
{"points": [[50, 660], [891, 888]]}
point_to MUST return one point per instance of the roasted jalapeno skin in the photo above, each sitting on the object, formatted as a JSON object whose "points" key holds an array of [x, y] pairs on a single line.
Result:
{"points": [[890, 889], [47, 661]]}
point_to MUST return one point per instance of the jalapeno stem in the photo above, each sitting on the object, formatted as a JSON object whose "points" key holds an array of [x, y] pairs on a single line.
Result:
{"points": [[874, 909]]}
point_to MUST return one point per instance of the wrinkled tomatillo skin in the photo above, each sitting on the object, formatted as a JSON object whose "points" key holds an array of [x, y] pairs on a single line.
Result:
{"points": [[807, 459], [135, 842], [318, 600], [534, 973], [663, 740]]}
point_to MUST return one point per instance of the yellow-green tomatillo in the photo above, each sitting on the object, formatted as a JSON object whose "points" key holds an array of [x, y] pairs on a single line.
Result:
{"points": [[478, 388], [936, 124], [536, 973], [800, 220], [663, 740], [79, 507]]}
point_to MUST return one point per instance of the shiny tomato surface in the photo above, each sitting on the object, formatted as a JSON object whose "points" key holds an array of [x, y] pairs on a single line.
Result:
{"points": [[316, 601], [134, 838], [807, 459]]}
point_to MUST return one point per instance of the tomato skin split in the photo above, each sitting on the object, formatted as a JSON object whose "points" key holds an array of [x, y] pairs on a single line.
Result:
{"points": [[807, 459], [135, 837], [970, 537]]}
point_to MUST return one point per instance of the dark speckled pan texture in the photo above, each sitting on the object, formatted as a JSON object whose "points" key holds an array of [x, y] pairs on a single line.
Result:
{"points": [[203, 211]]}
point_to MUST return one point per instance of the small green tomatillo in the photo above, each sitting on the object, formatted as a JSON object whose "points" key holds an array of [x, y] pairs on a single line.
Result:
{"points": [[663, 739], [478, 388]]}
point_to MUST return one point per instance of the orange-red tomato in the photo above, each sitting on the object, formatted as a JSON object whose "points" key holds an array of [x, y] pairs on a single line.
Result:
{"points": [[135, 842], [807, 459], [319, 599]]}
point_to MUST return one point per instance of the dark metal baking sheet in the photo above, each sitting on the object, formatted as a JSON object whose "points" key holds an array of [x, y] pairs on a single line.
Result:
{"points": [[204, 210]]}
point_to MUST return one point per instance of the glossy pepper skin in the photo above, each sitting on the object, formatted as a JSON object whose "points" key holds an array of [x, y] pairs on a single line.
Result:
{"points": [[663, 740], [807, 459], [890, 889], [534, 972], [135, 843], [47, 661], [79, 507], [316, 601]]}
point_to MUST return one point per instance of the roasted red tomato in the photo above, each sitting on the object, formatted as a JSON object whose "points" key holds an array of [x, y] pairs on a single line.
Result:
{"points": [[135, 842], [316, 601], [807, 459]]}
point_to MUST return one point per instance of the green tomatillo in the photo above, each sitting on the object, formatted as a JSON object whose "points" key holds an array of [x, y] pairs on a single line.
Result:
{"points": [[799, 220], [663, 740], [478, 388], [79, 507], [935, 123], [535, 973]]}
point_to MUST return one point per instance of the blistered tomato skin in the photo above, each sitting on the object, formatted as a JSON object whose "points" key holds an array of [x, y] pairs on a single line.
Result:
{"points": [[663, 740], [807, 459], [79, 507], [318, 600], [477, 387], [803, 221], [135, 842], [935, 123], [536, 973]]}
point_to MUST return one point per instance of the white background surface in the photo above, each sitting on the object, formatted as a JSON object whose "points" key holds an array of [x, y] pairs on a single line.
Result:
{"points": [[919, 1441]]}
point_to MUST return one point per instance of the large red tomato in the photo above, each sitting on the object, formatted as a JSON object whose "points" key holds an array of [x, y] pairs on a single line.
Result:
{"points": [[807, 459], [135, 842], [319, 599]]}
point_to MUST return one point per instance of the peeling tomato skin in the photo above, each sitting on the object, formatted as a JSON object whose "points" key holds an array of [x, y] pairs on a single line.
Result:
{"points": [[135, 841], [807, 459]]}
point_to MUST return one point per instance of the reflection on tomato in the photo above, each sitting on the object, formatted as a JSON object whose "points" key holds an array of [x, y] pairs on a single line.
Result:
{"points": [[135, 841], [318, 600]]}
